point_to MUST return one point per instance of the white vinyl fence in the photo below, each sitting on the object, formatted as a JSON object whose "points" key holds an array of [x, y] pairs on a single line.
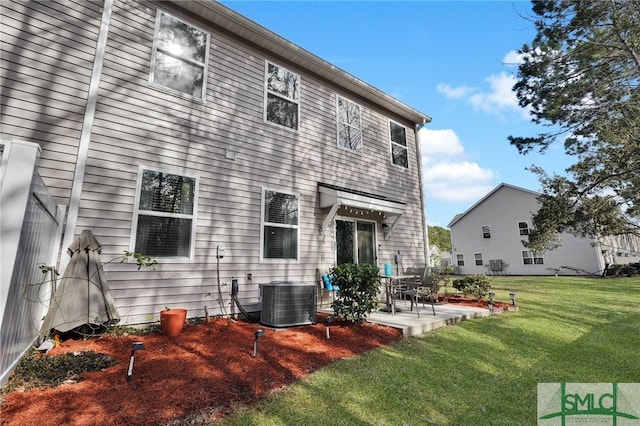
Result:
{"points": [[30, 226]]}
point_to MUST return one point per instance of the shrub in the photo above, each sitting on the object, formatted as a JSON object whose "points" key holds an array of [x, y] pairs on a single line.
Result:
{"points": [[476, 285], [359, 287], [621, 270]]}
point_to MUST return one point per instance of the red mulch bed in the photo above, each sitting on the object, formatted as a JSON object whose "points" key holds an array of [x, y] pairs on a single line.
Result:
{"points": [[205, 373], [468, 301]]}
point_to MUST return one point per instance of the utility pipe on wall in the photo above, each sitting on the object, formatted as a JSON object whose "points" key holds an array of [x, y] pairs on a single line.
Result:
{"points": [[422, 196]]}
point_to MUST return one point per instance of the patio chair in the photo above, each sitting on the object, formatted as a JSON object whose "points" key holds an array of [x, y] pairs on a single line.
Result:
{"points": [[326, 285], [422, 288]]}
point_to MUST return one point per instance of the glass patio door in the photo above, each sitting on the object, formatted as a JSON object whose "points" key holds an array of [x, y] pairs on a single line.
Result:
{"points": [[355, 242]]}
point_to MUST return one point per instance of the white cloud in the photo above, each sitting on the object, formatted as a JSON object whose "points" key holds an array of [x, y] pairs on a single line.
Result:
{"points": [[439, 143], [457, 182], [447, 174], [512, 59], [499, 97], [454, 92]]}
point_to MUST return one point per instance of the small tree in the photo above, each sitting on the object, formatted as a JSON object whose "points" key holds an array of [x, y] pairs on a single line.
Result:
{"points": [[359, 287]]}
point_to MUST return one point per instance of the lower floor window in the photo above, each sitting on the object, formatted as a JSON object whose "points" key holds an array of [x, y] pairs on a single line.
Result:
{"points": [[478, 258], [529, 258], [164, 215], [280, 229], [460, 259]]}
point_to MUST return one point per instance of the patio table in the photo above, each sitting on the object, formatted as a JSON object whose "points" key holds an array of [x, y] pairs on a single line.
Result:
{"points": [[390, 284]]}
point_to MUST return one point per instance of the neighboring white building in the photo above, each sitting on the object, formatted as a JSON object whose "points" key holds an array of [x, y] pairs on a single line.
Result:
{"points": [[487, 238]]}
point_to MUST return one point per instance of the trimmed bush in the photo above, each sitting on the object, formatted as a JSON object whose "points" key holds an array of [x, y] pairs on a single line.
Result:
{"points": [[475, 285], [359, 287], [621, 270]]}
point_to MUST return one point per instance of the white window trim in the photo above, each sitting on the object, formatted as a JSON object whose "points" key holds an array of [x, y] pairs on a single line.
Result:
{"points": [[391, 143], [489, 232], [266, 94], [262, 225], [193, 217], [528, 228], [475, 259], [458, 259], [361, 152], [532, 256], [205, 71]]}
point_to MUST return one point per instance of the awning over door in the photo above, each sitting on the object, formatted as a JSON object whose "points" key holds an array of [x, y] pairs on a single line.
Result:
{"points": [[334, 197]]}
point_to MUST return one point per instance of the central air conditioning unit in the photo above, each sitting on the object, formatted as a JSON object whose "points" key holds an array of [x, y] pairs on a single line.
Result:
{"points": [[288, 303]]}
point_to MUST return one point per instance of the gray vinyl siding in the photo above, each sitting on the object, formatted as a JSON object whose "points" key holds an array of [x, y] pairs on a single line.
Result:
{"points": [[44, 91], [141, 124]]}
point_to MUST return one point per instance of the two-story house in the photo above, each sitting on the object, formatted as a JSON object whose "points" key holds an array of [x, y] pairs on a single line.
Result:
{"points": [[187, 132], [487, 239]]}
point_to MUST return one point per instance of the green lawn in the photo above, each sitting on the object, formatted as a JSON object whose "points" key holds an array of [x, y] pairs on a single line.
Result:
{"points": [[480, 372]]}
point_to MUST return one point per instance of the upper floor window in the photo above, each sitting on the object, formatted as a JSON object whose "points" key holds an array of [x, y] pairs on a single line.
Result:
{"points": [[349, 126], [478, 259], [460, 259], [530, 258], [486, 231], [398, 136], [524, 228], [280, 230], [180, 52], [282, 96], [164, 215]]}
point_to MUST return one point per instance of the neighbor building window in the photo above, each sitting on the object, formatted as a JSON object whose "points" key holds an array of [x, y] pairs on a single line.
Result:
{"points": [[398, 134], [282, 96], [460, 259], [280, 230], [164, 215], [478, 258], [486, 231], [349, 126], [524, 228], [180, 52], [529, 258]]}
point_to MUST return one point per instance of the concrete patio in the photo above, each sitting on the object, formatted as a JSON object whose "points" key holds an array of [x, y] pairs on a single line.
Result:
{"points": [[408, 322]]}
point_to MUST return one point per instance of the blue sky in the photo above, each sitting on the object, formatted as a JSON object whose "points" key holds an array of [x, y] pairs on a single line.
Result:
{"points": [[451, 60]]}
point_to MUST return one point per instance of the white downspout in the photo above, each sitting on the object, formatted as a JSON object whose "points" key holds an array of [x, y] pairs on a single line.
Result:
{"points": [[85, 136], [425, 232]]}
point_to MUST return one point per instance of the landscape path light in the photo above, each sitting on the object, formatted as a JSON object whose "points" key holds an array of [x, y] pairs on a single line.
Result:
{"points": [[136, 346], [258, 333], [513, 298], [491, 296], [329, 320]]}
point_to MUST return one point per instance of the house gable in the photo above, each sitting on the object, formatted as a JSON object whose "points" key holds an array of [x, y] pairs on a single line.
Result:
{"points": [[493, 230]]}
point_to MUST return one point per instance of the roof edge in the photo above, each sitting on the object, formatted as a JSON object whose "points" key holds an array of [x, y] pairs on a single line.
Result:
{"points": [[459, 216]]}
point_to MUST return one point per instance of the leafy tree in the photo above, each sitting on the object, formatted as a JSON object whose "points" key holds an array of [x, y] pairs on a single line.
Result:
{"points": [[440, 237], [580, 78]]}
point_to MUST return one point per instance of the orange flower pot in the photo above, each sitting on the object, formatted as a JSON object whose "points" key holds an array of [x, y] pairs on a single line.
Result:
{"points": [[172, 321]]}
